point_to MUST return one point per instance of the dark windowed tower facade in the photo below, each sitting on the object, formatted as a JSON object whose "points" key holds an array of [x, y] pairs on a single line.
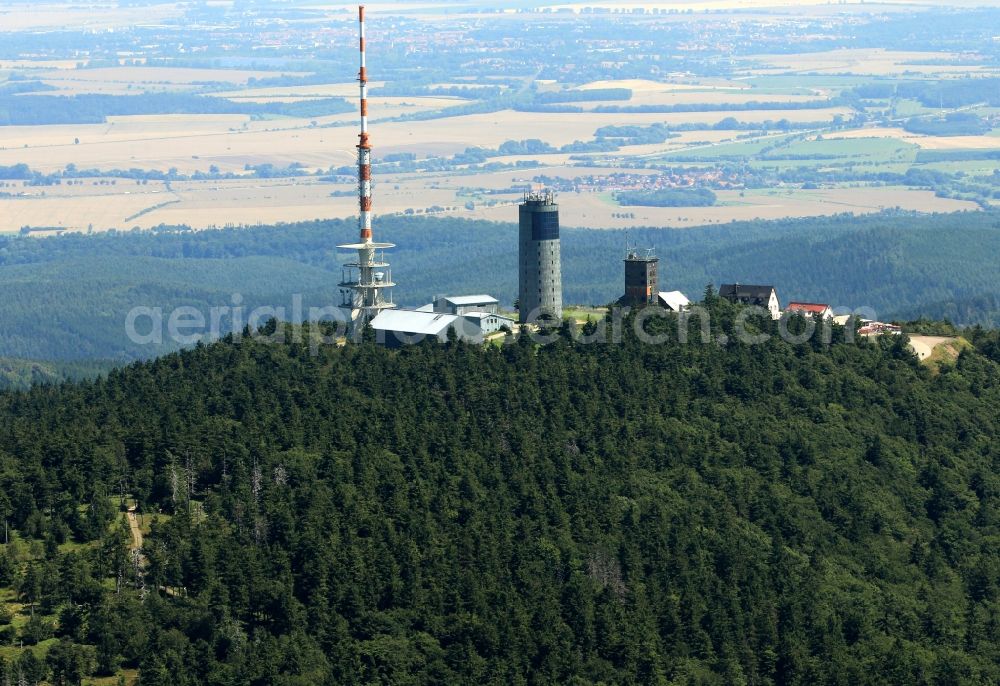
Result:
{"points": [[641, 278], [540, 269]]}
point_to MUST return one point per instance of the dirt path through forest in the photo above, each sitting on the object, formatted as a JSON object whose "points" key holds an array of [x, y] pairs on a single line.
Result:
{"points": [[133, 524]]}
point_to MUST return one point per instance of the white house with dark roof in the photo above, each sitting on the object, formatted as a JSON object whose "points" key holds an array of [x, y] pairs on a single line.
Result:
{"points": [[759, 296]]}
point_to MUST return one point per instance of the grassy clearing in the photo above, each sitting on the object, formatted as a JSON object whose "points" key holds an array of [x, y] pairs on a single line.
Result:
{"points": [[944, 354], [583, 313], [911, 108]]}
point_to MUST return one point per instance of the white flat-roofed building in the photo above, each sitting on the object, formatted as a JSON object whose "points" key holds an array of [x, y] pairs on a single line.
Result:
{"points": [[395, 328], [675, 301]]}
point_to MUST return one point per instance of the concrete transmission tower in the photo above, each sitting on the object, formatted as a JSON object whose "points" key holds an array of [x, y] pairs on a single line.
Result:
{"points": [[366, 285]]}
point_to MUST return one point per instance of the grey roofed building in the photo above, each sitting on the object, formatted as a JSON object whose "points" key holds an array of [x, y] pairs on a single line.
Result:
{"points": [[461, 300], [760, 296], [394, 328], [463, 304], [479, 324]]}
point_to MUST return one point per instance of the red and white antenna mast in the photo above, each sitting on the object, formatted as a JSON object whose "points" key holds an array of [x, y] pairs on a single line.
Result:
{"points": [[364, 146], [366, 287]]}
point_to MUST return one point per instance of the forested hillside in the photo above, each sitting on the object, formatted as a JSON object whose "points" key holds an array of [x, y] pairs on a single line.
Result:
{"points": [[68, 296], [20, 374], [616, 513]]}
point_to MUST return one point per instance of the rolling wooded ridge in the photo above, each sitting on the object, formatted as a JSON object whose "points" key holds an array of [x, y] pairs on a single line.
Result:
{"points": [[564, 514]]}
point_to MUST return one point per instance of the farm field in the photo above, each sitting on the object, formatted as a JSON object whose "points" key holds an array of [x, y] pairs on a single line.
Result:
{"points": [[813, 139], [188, 143], [490, 130], [710, 92], [648, 86], [97, 16], [864, 61], [138, 75], [201, 203], [193, 142], [592, 210], [204, 204], [702, 5], [988, 142], [321, 90]]}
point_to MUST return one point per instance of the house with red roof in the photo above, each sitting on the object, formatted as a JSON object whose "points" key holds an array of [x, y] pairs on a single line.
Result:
{"points": [[823, 310]]}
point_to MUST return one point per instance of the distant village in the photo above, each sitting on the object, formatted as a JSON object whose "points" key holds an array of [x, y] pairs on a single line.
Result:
{"points": [[671, 179]]}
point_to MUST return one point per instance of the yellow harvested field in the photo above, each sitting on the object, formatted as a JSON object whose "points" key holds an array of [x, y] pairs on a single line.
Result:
{"points": [[386, 107], [187, 142], [714, 97], [647, 86], [927, 142], [594, 211], [323, 90], [705, 91], [864, 61], [173, 75], [193, 142], [459, 84], [138, 127], [201, 204], [39, 64], [204, 204], [82, 86], [743, 5], [286, 201], [104, 210], [90, 15], [555, 128]]}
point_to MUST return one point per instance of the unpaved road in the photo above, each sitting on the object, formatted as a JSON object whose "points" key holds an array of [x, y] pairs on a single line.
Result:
{"points": [[923, 346], [133, 523]]}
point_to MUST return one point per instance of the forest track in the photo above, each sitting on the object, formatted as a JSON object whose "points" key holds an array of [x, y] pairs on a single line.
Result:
{"points": [[133, 525]]}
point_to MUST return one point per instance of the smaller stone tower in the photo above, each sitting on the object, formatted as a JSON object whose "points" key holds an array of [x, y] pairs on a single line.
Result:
{"points": [[641, 278]]}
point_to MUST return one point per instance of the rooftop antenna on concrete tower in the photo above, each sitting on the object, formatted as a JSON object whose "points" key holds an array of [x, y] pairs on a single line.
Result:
{"points": [[366, 285]]}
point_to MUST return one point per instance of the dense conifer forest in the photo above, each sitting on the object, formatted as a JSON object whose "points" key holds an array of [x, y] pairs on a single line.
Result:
{"points": [[571, 513]]}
